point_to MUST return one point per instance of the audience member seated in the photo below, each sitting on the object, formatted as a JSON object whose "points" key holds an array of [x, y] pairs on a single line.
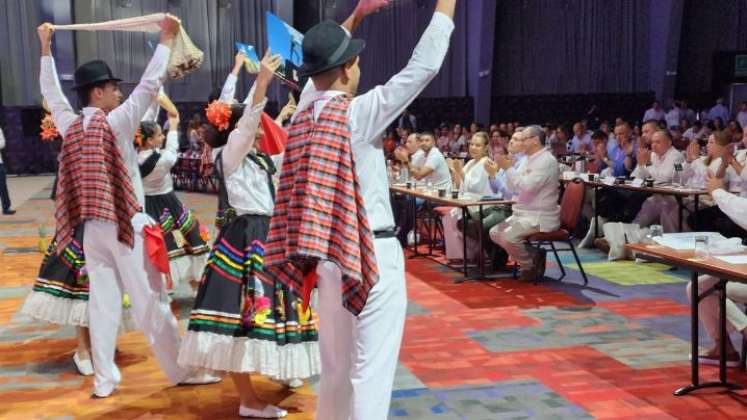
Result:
{"points": [[654, 113], [431, 170], [410, 153], [734, 131], [674, 116], [444, 138], [536, 188], [736, 320], [457, 141], [599, 149], [717, 162], [472, 180], [620, 158], [719, 111], [742, 114], [581, 141], [659, 164], [559, 143], [696, 132]]}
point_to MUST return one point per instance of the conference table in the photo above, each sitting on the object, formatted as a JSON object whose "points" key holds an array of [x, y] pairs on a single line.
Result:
{"points": [[462, 203], [679, 193], [712, 266]]}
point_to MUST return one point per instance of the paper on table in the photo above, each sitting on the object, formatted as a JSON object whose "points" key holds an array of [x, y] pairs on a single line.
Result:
{"points": [[733, 259], [685, 240]]}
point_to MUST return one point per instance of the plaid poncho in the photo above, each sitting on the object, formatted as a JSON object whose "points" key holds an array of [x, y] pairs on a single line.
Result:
{"points": [[93, 182], [319, 212]]}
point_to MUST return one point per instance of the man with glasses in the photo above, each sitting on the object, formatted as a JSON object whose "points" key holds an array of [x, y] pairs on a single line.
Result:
{"points": [[536, 189]]}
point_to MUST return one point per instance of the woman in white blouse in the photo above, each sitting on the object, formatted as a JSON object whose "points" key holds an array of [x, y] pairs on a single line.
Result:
{"points": [[472, 180], [695, 171]]}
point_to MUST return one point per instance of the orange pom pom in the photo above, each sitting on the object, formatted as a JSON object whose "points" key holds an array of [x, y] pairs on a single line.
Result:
{"points": [[218, 114], [48, 129]]}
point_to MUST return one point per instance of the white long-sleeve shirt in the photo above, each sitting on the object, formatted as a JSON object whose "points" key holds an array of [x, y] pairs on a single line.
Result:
{"points": [[124, 120], [159, 180], [228, 92], [661, 168], [155, 108], [2, 144], [536, 187], [476, 179], [733, 206], [370, 113], [246, 182]]}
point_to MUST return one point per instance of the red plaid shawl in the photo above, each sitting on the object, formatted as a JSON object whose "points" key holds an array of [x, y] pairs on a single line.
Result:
{"points": [[93, 182], [319, 213]]}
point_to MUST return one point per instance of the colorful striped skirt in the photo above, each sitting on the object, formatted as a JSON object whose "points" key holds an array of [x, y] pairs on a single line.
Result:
{"points": [[185, 241], [60, 293], [240, 324]]}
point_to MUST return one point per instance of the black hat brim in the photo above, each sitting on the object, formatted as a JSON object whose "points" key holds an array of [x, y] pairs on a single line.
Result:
{"points": [[102, 79], [355, 47]]}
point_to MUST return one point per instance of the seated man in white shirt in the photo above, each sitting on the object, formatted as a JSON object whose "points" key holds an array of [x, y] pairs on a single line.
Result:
{"points": [[736, 208], [434, 170], [536, 189], [581, 141], [659, 164]]}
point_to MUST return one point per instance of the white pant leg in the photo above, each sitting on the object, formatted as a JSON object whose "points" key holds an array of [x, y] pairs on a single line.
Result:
{"points": [[708, 309], [651, 210], [511, 236], [151, 306], [335, 347], [452, 235], [104, 304], [378, 335], [669, 213]]}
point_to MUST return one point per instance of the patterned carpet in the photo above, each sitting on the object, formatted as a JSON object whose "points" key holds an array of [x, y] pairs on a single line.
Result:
{"points": [[476, 350]]}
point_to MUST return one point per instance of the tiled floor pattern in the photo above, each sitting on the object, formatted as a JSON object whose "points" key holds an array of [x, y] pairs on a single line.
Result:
{"points": [[476, 350]]}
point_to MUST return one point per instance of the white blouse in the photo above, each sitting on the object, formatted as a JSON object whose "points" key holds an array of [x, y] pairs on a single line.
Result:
{"points": [[159, 180], [475, 179]]}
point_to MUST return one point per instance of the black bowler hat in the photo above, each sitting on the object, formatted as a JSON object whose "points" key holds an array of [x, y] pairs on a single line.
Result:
{"points": [[92, 72], [326, 46]]}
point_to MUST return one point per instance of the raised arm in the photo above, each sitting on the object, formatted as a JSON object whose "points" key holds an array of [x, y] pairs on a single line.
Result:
{"points": [[152, 113], [125, 118], [241, 140], [62, 113], [228, 93], [169, 153], [383, 104], [363, 9]]}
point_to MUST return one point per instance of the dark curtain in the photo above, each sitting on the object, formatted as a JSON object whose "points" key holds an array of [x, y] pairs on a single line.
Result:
{"points": [[571, 46], [708, 26], [391, 36], [19, 60]]}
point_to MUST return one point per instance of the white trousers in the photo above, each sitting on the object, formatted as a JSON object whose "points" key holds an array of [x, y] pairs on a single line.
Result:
{"points": [[114, 268], [511, 236], [359, 354], [708, 310], [662, 209], [453, 237]]}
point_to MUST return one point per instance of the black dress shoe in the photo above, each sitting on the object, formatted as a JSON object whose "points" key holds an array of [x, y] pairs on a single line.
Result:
{"points": [[9, 212]]}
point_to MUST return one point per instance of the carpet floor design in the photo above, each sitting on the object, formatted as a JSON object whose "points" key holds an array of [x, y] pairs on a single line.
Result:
{"points": [[476, 350]]}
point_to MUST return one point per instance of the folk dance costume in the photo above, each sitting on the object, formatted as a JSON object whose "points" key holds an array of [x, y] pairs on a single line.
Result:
{"points": [[363, 325], [185, 241], [100, 192], [240, 323]]}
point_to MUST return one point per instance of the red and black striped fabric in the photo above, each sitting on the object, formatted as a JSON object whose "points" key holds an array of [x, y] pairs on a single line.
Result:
{"points": [[93, 182], [319, 213]]}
